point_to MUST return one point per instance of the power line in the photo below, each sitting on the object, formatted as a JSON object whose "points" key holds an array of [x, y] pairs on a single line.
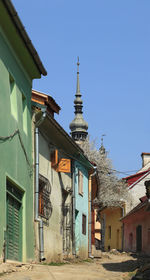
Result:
{"points": [[122, 172], [11, 136]]}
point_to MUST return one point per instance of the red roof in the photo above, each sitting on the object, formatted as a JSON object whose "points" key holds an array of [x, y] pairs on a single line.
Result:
{"points": [[137, 208], [143, 198], [135, 178]]}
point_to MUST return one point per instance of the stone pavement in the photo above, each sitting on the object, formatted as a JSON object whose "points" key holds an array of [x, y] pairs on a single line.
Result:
{"points": [[107, 268]]}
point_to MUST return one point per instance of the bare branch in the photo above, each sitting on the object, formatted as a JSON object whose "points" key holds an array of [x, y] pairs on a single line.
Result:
{"points": [[111, 190]]}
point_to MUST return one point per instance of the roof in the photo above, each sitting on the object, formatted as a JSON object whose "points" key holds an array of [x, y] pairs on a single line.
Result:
{"points": [[145, 154], [143, 198], [132, 180], [61, 139], [137, 208], [44, 99], [23, 34]]}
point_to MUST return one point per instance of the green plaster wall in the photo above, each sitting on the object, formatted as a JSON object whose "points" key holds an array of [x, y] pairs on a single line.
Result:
{"points": [[81, 205], [15, 113]]}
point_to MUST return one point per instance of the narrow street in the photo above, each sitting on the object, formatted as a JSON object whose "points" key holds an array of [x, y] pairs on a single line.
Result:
{"points": [[109, 267]]}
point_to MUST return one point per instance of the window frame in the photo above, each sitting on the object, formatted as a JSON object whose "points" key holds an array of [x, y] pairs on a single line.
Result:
{"points": [[80, 182], [84, 224], [109, 232], [45, 207]]}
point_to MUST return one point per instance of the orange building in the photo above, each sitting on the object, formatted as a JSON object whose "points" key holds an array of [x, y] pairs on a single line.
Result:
{"points": [[95, 224]]}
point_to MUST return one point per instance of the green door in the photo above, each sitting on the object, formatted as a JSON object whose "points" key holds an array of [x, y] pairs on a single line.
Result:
{"points": [[14, 226]]}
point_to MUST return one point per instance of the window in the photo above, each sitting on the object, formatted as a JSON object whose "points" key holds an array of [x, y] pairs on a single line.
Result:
{"points": [[45, 208], [54, 159], [60, 164], [13, 97], [83, 224], [24, 112], [130, 241], [148, 232], [80, 182], [109, 232]]}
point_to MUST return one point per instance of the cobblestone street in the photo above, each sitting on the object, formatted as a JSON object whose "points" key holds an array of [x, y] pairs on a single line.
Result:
{"points": [[107, 268]]}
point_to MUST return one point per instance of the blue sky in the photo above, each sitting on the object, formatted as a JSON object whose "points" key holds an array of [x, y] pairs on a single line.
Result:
{"points": [[112, 40]]}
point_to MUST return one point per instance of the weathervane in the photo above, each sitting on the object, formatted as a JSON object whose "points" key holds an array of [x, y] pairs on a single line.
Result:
{"points": [[78, 63]]}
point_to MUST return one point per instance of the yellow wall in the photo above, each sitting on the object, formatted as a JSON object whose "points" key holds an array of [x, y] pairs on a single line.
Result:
{"points": [[112, 219], [97, 226]]}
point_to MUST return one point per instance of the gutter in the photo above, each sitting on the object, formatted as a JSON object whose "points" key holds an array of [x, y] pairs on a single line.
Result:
{"points": [[23, 34], [36, 212]]}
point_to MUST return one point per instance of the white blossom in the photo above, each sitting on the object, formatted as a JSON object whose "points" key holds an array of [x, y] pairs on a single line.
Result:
{"points": [[112, 191]]}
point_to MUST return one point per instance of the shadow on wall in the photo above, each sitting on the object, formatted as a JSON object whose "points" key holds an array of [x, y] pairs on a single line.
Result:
{"points": [[66, 214], [64, 188]]}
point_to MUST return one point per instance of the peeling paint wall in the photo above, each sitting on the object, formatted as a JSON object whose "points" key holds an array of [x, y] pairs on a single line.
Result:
{"points": [[131, 222], [58, 228]]}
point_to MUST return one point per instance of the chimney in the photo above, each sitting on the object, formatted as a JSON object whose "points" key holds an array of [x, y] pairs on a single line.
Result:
{"points": [[145, 158]]}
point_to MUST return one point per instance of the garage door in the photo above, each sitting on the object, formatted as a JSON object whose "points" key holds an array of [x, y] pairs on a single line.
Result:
{"points": [[14, 223]]}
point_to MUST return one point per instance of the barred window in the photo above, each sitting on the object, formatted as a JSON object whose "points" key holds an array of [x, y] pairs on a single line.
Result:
{"points": [[45, 208]]}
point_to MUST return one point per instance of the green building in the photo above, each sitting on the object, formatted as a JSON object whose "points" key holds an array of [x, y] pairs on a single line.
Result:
{"points": [[19, 65]]}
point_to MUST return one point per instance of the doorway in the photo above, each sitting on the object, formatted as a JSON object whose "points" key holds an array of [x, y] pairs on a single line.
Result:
{"points": [[14, 223], [139, 238]]}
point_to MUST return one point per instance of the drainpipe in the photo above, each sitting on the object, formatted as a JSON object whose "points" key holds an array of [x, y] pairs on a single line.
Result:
{"points": [[73, 210], [37, 218], [90, 209]]}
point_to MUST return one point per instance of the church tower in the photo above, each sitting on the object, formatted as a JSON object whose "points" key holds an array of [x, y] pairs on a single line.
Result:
{"points": [[102, 148], [78, 126]]}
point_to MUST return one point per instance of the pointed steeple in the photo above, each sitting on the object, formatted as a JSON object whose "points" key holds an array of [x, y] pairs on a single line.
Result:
{"points": [[102, 149], [78, 126], [78, 82]]}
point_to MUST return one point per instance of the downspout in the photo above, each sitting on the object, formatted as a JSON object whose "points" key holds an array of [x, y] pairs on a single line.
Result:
{"points": [[73, 210], [90, 209], [37, 218]]}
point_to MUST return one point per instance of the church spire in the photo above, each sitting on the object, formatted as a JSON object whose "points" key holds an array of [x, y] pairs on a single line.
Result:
{"points": [[78, 126], [78, 82], [102, 149]]}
